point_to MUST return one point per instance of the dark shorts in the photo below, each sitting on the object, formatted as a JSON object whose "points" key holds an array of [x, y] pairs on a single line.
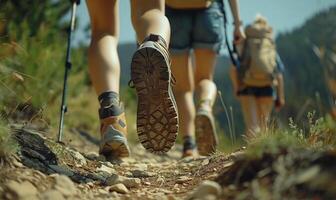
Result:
{"points": [[201, 28], [267, 91]]}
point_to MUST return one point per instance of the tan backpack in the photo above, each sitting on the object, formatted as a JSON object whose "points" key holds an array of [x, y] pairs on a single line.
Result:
{"points": [[189, 4], [258, 63]]}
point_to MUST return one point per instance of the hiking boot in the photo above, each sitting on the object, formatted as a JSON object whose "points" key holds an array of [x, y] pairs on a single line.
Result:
{"points": [[113, 131], [206, 137], [157, 118], [189, 148]]}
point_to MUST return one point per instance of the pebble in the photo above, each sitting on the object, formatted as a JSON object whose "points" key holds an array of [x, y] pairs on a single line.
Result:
{"points": [[21, 190], [141, 174], [141, 167], [92, 155], [207, 189], [131, 182], [146, 183], [120, 188], [128, 182], [112, 180], [106, 169], [183, 179], [79, 158], [101, 191], [205, 162]]}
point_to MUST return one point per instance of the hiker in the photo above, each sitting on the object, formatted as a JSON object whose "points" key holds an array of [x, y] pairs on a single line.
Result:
{"points": [[197, 37], [157, 120], [258, 83]]}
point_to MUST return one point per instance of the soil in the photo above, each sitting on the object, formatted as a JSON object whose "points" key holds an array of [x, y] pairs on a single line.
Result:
{"points": [[45, 169]]}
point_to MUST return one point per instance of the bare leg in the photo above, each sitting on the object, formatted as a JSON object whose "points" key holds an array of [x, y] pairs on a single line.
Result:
{"points": [[148, 17], [183, 91], [104, 70], [205, 63], [206, 137], [104, 67], [250, 113], [157, 117], [265, 106]]}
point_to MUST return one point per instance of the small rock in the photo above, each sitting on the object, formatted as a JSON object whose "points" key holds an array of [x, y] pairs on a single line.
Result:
{"points": [[183, 179], [120, 188], [141, 167], [61, 170], [106, 169], [109, 164], [112, 180], [51, 195], [101, 191], [21, 190], [205, 162], [207, 189], [128, 182], [128, 174], [92, 155], [131, 182], [141, 174], [147, 183], [65, 185], [80, 159]]}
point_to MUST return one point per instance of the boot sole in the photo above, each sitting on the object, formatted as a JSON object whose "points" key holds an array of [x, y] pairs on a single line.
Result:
{"points": [[115, 149], [157, 121], [206, 137]]}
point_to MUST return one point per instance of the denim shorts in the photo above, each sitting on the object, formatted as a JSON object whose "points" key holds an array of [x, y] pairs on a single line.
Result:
{"points": [[200, 28]]}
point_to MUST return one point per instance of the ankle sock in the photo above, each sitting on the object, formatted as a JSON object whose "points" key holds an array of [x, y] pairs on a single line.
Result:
{"points": [[109, 105], [188, 143], [106, 99]]}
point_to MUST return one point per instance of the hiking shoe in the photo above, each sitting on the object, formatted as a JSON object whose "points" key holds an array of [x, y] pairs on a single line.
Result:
{"points": [[113, 131], [157, 118], [206, 137]]}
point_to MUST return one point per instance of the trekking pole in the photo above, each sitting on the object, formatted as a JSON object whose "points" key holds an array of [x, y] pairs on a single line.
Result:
{"points": [[67, 68], [232, 52]]}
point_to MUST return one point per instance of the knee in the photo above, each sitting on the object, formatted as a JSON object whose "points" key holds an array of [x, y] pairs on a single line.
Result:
{"points": [[205, 83], [201, 79], [100, 29]]}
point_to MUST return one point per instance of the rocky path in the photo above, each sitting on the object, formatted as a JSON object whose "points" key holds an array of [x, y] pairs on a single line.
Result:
{"points": [[47, 170]]}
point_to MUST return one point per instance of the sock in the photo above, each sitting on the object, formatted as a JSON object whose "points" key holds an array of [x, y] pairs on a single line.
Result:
{"points": [[107, 99], [188, 143], [109, 105]]}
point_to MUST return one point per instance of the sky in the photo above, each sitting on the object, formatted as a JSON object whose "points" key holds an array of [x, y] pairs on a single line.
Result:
{"points": [[283, 15]]}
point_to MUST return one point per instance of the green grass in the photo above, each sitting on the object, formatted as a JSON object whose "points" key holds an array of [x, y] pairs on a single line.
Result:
{"points": [[8, 145], [319, 135]]}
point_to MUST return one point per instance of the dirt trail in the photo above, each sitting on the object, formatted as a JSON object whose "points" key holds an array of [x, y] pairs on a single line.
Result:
{"points": [[48, 170], [44, 169]]}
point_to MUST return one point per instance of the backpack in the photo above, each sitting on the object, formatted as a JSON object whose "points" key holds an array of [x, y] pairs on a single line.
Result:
{"points": [[258, 61], [189, 4]]}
